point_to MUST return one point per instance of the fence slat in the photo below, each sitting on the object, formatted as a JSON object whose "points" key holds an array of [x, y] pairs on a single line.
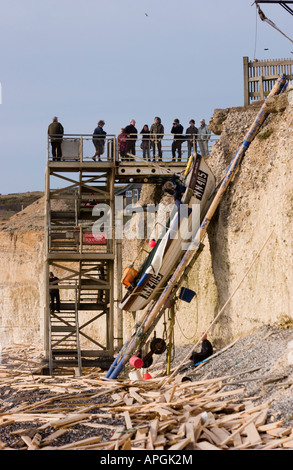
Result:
{"points": [[261, 75]]}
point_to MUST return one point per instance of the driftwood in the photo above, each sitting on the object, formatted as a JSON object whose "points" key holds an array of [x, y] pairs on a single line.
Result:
{"points": [[209, 414]]}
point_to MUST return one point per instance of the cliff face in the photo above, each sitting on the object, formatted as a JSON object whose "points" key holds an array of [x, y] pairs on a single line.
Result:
{"points": [[257, 208], [259, 200], [21, 276]]}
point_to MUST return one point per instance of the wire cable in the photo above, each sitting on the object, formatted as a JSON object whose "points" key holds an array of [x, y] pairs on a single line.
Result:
{"points": [[270, 22]]}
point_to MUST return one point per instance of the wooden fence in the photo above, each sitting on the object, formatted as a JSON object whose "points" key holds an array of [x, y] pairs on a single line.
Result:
{"points": [[261, 75]]}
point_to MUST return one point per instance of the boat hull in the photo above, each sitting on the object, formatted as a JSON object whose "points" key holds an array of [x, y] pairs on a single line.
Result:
{"points": [[200, 184]]}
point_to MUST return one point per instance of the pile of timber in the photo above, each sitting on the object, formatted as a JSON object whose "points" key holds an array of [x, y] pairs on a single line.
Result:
{"points": [[156, 414]]}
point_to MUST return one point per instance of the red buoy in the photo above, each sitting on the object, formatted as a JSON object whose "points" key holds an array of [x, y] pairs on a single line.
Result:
{"points": [[152, 243], [136, 362]]}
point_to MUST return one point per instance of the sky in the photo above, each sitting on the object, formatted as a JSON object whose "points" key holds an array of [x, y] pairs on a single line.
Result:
{"points": [[120, 60]]}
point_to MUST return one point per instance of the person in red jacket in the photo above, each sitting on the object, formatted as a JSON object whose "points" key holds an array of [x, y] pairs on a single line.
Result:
{"points": [[122, 144]]}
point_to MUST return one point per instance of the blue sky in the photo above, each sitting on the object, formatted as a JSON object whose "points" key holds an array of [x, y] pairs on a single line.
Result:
{"points": [[91, 60]]}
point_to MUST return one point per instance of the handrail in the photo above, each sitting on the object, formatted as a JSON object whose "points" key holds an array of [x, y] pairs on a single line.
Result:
{"points": [[154, 147]]}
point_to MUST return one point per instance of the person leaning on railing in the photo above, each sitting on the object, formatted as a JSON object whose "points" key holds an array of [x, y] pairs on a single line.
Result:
{"points": [[156, 134]]}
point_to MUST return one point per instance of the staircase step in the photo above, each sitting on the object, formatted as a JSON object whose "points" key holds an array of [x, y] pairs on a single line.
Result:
{"points": [[63, 329], [64, 352]]}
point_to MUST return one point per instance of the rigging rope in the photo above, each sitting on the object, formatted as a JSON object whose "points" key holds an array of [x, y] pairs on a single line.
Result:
{"points": [[255, 40], [222, 309], [270, 22]]}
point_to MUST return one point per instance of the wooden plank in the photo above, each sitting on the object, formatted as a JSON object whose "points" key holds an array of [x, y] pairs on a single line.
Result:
{"points": [[54, 435], [136, 396], [211, 437], [118, 433], [277, 443], [269, 426], [181, 444], [279, 432], [252, 434], [160, 441], [128, 421], [127, 445], [253, 418], [69, 420], [288, 444], [237, 441], [7, 422], [83, 442], [205, 445], [2, 445], [190, 433], [153, 430], [221, 433]]}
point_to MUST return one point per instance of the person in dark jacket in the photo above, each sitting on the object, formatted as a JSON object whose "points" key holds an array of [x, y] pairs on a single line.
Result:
{"points": [[99, 140], [177, 130], [206, 351], [55, 132], [191, 134], [54, 293], [176, 188], [145, 142], [131, 132], [157, 134]]}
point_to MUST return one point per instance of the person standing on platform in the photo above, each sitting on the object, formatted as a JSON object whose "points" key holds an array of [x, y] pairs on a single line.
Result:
{"points": [[191, 134], [122, 144], [204, 135], [177, 130], [145, 142], [55, 132], [157, 134], [131, 132], [99, 140]]}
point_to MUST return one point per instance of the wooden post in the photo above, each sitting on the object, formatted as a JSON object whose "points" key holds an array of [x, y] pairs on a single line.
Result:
{"points": [[245, 81], [172, 321], [119, 317]]}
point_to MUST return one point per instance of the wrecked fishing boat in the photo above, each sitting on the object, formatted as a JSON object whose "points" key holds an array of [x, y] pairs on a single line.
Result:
{"points": [[145, 283]]}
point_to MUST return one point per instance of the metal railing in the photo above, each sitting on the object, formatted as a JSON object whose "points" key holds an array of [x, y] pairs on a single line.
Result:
{"points": [[165, 148], [81, 239], [79, 148]]}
